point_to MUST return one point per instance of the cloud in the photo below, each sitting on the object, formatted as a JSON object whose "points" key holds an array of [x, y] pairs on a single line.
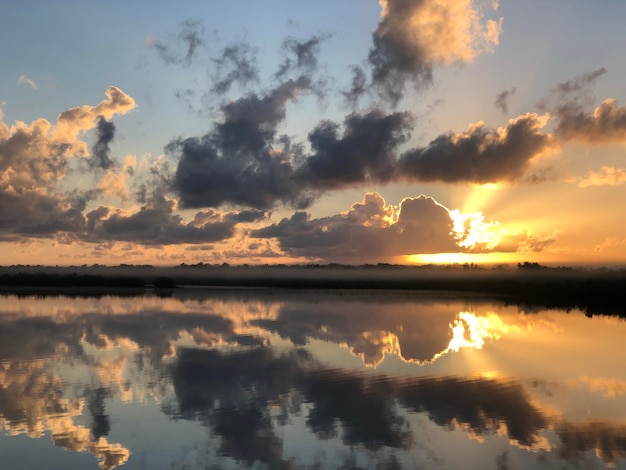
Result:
{"points": [[372, 231], [480, 155], [240, 161], [607, 124], [115, 181], [190, 36], [75, 120], [502, 100], [236, 64], [35, 158], [302, 55], [157, 224], [24, 80], [569, 101], [35, 215], [100, 150], [413, 36], [364, 153], [367, 231], [358, 87], [243, 161], [607, 176], [571, 96], [526, 241], [574, 88]]}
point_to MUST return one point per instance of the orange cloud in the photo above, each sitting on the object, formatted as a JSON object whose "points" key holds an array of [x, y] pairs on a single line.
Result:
{"points": [[607, 176], [75, 120]]}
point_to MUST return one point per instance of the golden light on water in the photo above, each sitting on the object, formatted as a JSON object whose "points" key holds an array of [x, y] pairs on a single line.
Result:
{"points": [[467, 331], [471, 331]]}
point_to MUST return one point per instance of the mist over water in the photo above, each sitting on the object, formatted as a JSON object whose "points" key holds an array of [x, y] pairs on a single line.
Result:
{"points": [[292, 379]]}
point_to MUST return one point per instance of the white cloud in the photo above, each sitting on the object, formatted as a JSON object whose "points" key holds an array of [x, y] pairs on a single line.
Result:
{"points": [[24, 80]]}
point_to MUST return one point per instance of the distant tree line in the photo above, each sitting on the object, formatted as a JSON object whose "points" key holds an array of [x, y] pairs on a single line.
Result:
{"points": [[69, 280]]}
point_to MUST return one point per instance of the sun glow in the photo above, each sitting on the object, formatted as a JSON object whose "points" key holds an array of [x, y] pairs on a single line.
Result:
{"points": [[472, 231], [480, 196], [462, 258]]}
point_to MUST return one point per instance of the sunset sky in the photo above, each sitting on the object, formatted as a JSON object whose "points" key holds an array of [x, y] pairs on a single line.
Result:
{"points": [[403, 131]]}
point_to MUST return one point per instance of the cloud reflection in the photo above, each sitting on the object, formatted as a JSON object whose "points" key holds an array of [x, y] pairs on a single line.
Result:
{"points": [[34, 402], [220, 362]]}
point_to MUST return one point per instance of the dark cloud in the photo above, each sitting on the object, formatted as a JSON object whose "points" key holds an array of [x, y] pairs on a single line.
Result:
{"points": [[241, 160], [482, 404], [578, 83], [607, 439], [365, 232], [358, 87], [100, 150], [301, 55], [230, 394], [156, 224], [480, 155], [190, 37], [502, 100], [573, 93], [236, 64], [364, 153], [241, 386], [35, 215], [607, 124]]}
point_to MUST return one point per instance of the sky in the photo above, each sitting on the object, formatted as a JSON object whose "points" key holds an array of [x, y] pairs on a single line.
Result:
{"points": [[246, 132]]}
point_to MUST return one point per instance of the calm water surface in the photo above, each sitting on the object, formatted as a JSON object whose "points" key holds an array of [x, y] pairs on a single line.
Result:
{"points": [[253, 379]]}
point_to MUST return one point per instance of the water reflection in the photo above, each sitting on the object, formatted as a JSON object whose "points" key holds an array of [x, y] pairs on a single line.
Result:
{"points": [[242, 379]]}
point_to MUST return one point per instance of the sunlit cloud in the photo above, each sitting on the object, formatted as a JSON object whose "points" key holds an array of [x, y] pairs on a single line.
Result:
{"points": [[115, 181], [472, 231], [419, 227], [607, 176], [79, 119], [608, 387], [38, 397], [414, 37]]}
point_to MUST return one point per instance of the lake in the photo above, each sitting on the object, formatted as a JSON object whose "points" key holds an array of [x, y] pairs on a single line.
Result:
{"points": [[251, 379]]}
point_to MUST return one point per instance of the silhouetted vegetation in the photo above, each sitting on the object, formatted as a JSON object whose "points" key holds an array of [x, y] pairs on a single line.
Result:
{"points": [[41, 279], [164, 282], [595, 291]]}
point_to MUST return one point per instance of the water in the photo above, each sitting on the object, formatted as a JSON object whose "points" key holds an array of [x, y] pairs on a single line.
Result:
{"points": [[281, 380]]}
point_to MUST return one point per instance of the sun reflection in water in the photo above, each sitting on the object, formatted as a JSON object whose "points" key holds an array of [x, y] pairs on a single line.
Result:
{"points": [[468, 330], [471, 331]]}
